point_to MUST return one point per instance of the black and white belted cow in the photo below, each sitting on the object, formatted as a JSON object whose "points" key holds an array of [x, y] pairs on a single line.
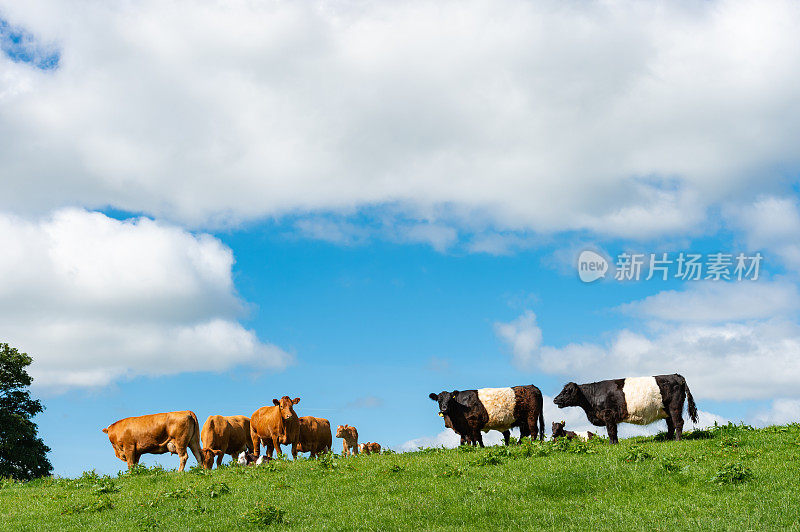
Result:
{"points": [[637, 400], [471, 411]]}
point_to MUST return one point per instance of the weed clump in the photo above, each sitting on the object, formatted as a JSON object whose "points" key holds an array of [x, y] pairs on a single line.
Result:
{"points": [[637, 454], [732, 473], [264, 515]]}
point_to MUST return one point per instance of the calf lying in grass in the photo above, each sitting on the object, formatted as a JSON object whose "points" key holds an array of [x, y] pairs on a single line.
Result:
{"points": [[370, 448], [246, 458], [560, 432]]}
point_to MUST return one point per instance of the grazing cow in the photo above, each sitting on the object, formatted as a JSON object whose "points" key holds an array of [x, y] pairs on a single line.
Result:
{"points": [[637, 400], [170, 432], [275, 426], [560, 432], [472, 411], [370, 448], [223, 435], [315, 435], [349, 437]]}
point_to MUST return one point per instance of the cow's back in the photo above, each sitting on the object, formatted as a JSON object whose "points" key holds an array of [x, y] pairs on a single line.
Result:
{"points": [[266, 421], [226, 432], [152, 431], [315, 434], [499, 404]]}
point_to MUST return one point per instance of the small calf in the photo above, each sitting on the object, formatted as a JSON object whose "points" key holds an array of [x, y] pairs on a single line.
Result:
{"points": [[349, 437], [370, 448], [246, 458], [559, 432]]}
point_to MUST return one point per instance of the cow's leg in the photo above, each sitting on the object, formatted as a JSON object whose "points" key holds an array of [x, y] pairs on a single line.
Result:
{"points": [[130, 454], [679, 425], [611, 427], [183, 456], [524, 431], [670, 427], [219, 459], [256, 440], [270, 448], [294, 450], [507, 436], [479, 438]]}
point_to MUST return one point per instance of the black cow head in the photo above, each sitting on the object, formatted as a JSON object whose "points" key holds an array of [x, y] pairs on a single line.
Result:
{"points": [[447, 402], [569, 396]]}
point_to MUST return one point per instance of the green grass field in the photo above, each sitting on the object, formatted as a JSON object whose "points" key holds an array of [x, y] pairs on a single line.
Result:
{"points": [[728, 478]]}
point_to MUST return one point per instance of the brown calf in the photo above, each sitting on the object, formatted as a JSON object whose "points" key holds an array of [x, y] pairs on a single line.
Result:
{"points": [[349, 437], [370, 448]]}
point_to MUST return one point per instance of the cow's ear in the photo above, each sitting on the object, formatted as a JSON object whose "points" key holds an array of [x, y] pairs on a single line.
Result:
{"points": [[433, 396], [277, 403], [105, 430], [295, 400]]}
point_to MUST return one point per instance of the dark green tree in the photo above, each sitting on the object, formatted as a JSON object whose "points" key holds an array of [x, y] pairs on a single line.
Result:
{"points": [[23, 455]]}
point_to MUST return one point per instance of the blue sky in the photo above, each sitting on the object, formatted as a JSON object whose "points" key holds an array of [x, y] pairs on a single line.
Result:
{"points": [[208, 208]]}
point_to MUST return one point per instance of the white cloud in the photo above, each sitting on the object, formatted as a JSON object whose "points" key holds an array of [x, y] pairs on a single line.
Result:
{"points": [[523, 337], [626, 120], [734, 361], [780, 412], [770, 223], [93, 299], [712, 302]]}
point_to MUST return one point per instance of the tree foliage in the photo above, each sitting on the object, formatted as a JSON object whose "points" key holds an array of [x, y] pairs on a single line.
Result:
{"points": [[23, 455]]}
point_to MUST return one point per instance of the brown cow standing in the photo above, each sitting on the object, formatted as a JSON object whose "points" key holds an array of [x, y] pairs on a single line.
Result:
{"points": [[349, 437], [156, 434], [275, 426], [315, 435], [223, 435]]}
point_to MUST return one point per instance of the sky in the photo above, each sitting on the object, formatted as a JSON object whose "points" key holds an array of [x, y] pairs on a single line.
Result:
{"points": [[209, 205]]}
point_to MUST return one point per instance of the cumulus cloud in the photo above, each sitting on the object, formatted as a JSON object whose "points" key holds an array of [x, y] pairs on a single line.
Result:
{"points": [[625, 120], [770, 223], [780, 412], [94, 299], [735, 361], [719, 302]]}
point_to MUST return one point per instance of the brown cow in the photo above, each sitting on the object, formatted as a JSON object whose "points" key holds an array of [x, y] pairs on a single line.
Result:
{"points": [[223, 435], [156, 434], [275, 426], [315, 435], [370, 448], [349, 437]]}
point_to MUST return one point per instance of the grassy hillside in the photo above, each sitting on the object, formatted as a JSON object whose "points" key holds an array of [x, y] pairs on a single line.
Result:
{"points": [[729, 478]]}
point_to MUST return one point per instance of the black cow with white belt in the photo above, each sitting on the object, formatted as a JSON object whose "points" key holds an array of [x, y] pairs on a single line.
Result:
{"points": [[637, 400], [469, 412]]}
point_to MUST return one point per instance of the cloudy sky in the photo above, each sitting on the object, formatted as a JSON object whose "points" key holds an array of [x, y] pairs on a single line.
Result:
{"points": [[206, 205]]}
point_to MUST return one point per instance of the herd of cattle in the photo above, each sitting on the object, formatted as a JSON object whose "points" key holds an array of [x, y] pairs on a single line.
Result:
{"points": [[638, 400]]}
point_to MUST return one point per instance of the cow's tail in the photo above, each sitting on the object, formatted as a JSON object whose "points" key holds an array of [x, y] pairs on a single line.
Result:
{"points": [[194, 439], [541, 424], [690, 401]]}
